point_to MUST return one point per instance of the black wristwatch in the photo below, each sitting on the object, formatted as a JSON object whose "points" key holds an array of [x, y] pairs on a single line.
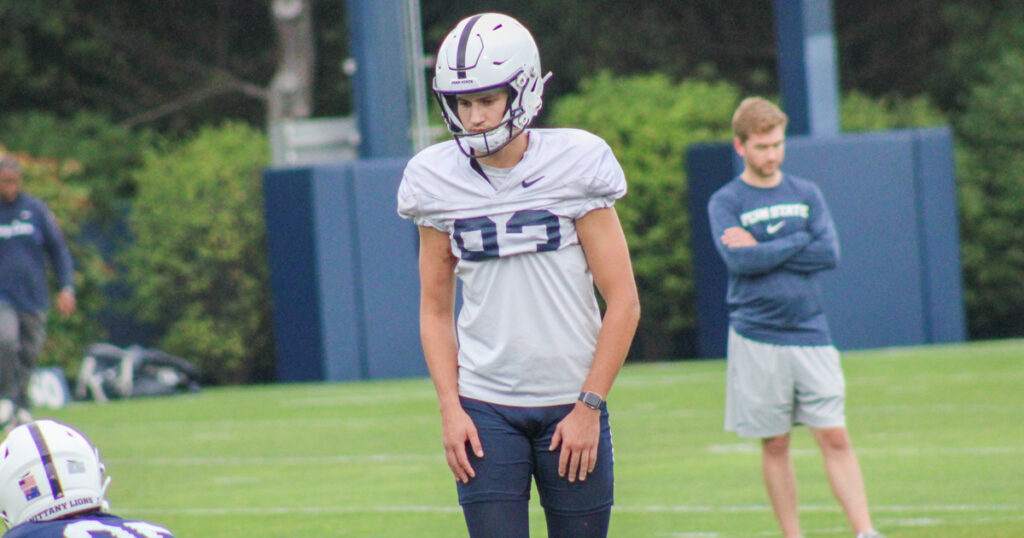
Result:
{"points": [[592, 400]]}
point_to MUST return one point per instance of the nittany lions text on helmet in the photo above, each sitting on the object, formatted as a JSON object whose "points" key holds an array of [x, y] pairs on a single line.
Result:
{"points": [[48, 471], [485, 52]]}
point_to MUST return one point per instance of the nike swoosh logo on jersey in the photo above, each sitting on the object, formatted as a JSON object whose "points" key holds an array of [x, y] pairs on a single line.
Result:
{"points": [[531, 182], [772, 228]]}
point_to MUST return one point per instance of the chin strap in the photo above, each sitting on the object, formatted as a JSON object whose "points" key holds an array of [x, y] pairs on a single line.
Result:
{"points": [[487, 143], [104, 503]]}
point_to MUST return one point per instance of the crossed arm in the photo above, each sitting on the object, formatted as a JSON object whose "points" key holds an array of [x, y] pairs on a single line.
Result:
{"points": [[816, 249]]}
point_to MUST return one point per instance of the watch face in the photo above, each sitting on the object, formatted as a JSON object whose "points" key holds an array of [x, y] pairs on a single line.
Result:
{"points": [[591, 400]]}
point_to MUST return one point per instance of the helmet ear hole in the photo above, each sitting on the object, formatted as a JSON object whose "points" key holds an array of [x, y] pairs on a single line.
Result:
{"points": [[452, 113], [452, 102], [449, 111], [513, 99]]}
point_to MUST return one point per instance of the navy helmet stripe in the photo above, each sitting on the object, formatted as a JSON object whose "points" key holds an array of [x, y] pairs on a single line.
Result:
{"points": [[467, 31], [47, 457]]}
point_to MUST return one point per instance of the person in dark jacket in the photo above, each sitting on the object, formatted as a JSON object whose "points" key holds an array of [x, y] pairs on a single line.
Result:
{"points": [[29, 240]]}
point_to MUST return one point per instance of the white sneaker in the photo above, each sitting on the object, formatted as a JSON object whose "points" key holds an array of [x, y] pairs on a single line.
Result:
{"points": [[22, 416], [7, 419], [7, 409], [870, 534]]}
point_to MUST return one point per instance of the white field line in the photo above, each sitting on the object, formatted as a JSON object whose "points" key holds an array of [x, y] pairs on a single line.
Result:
{"points": [[753, 448], [758, 508], [341, 400], [341, 459], [431, 416], [200, 425], [882, 523], [269, 460], [1014, 509]]}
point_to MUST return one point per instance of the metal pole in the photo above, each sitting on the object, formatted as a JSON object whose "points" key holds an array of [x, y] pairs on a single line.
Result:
{"points": [[808, 66], [417, 81], [381, 81]]}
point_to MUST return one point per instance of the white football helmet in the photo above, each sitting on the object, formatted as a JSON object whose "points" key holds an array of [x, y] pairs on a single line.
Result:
{"points": [[47, 471], [484, 52]]}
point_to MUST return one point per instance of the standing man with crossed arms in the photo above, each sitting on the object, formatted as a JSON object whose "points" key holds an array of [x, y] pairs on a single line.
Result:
{"points": [[776, 235]]}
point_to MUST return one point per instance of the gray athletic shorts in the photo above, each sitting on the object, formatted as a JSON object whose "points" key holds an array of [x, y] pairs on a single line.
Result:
{"points": [[771, 388]]}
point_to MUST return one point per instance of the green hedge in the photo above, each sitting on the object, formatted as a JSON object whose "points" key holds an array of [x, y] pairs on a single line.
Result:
{"points": [[197, 265], [990, 168]]}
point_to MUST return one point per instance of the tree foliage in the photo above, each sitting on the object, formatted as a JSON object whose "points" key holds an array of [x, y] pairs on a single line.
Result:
{"points": [[197, 266], [106, 154], [577, 40], [860, 112], [172, 65], [977, 34], [990, 163], [177, 65]]}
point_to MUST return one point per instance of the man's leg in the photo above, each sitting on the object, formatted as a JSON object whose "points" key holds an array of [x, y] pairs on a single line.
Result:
{"points": [[780, 481], [844, 475], [495, 503], [580, 509], [9, 346], [578, 525], [498, 519], [32, 335]]}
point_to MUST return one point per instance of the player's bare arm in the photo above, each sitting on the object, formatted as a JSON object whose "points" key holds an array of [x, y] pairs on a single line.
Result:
{"points": [[604, 245], [440, 348]]}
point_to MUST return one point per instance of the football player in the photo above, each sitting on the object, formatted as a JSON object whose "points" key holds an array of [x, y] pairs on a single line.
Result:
{"points": [[525, 219], [52, 486]]}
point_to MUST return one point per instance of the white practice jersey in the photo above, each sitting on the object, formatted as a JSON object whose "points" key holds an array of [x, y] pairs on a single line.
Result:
{"points": [[529, 319]]}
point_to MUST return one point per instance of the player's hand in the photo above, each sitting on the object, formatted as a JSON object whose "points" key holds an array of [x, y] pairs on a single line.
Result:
{"points": [[578, 434], [66, 303], [458, 430], [737, 237]]}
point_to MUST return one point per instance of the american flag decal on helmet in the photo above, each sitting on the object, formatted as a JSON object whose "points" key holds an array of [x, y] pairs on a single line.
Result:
{"points": [[29, 487]]}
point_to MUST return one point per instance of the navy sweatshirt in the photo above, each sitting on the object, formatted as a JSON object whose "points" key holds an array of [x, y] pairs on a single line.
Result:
{"points": [[774, 294], [29, 236]]}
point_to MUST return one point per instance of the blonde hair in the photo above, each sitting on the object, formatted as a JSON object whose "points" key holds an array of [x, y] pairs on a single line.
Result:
{"points": [[756, 115]]}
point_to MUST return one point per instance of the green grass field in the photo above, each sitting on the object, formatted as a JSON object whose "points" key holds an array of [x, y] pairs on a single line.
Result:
{"points": [[938, 431]]}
